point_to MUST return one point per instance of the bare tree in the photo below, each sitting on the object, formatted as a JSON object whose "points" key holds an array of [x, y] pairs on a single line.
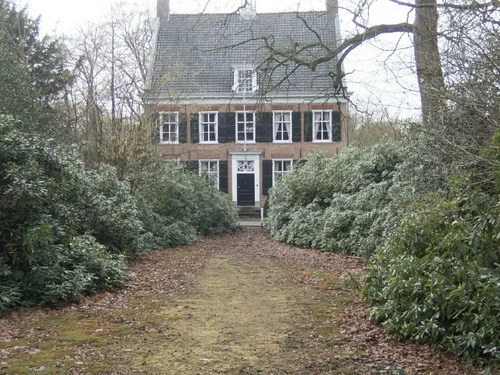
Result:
{"points": [[426, 38], [109, 61]]}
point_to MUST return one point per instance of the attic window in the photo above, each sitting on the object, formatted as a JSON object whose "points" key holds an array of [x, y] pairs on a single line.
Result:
{"points": [[245, 80]]}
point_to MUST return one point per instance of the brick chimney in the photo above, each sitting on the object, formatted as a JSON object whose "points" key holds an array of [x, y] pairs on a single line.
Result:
{"points": [[332, 7], [163, 8]]}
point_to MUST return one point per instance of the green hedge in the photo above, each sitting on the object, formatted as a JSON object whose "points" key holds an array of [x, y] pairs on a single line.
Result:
{"points": [[66, 230], [53, 244], [353, 202], [438, 279], [432, 235]]}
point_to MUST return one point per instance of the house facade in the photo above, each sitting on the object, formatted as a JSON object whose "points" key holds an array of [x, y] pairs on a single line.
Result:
{"points": [[232, 113]]}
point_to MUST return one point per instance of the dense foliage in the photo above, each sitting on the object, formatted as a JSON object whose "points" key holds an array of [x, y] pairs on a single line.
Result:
{"points": [[67, 230], [431, 231], [16, 94], [50, 214], [353, 202], [438, 278], [183, 197], [32, 69]]}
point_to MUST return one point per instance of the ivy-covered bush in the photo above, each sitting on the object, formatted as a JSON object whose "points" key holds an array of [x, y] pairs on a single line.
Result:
{"points": [[52, 246], [491, 164], [438, 278], [350, 203], [66, 230], [66, 272], [188, 203]]}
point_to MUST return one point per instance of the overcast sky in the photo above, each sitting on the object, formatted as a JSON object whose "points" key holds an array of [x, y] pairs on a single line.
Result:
{"points": [[374, 78], [65, 13]]}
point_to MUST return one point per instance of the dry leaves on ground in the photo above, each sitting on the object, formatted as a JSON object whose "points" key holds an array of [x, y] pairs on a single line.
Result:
{"points": [[238, 303]]}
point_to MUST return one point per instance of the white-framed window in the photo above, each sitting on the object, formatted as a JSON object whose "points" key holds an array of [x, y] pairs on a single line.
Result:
{"points": [[209, 169], [245, 80], [282, 126], [280, 167], [169, 127], [208, 127], [245, 127], [322, 126]]}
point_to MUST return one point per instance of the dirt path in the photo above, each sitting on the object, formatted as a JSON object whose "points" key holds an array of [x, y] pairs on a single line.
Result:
{"points": [[234, 304], [237, 320]]}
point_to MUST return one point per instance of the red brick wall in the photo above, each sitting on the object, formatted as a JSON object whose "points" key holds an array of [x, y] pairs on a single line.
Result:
{"points": [[296, 150]]}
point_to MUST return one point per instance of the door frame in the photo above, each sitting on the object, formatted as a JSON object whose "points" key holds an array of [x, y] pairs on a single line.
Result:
{"points": [[237, 156]]}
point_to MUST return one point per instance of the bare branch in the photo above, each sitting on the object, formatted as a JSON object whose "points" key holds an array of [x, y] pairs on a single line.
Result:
{"points": [[350, 44], [474, 5]]}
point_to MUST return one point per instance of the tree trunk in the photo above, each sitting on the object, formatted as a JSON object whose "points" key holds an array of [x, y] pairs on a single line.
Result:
{"points": [[428, 60]]}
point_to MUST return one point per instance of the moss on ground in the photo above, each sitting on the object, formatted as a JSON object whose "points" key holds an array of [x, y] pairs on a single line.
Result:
{"points": [[235, 304]]}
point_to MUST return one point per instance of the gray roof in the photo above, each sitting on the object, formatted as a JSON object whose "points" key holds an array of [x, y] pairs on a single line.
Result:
{"points": [[197, 53]]}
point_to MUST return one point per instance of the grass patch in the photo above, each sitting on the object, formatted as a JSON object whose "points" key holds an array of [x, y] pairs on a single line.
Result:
{"points": [[334, 343], [64, 342], [327, 329]]}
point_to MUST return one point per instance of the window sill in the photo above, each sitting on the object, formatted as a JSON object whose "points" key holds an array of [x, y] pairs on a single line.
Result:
{"points": [[320, 141], [285, 142], [168, 143], [209, 143], [247, 142]]}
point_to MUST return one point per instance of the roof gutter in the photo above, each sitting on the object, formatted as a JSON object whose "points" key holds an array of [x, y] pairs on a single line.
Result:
{"points": [[224, 99]]}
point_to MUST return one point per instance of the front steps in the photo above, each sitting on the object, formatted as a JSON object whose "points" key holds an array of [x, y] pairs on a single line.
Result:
{"points": [[249, 216], [245, 213]]}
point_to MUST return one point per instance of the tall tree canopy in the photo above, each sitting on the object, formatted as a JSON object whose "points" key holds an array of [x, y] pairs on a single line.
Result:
{"points": [[433, 24], [33, 67]]}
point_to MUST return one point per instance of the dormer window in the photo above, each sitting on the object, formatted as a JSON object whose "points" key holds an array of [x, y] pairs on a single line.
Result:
{"points": [[245, 80]]}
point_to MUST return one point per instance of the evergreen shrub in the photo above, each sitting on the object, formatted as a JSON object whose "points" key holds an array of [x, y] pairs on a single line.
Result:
{"points": [[351, 203], [67, 230], [438, 278]]}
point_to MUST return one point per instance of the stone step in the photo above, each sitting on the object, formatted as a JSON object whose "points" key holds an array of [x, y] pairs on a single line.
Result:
{"points": [[249, 212]]}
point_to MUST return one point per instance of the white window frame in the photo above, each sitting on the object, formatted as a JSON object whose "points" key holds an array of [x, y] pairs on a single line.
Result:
{"points": [[277, 172], [203, 123], [169, 124], [242, 84], [276, 123], [318, 119], [245, 123], [204, 170]]}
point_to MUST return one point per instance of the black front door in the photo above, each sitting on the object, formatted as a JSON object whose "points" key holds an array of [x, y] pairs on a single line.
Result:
{"points": [[246, 189]]}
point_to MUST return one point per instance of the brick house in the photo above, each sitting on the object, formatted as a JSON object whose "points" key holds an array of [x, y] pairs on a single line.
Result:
{"points": [[231, 117]]}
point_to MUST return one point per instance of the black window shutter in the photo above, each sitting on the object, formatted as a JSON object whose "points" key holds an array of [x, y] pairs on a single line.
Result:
{"points": [[223, 179], [226, 127], [192, 166], [308, 126], [195, 131], [182, 128], [296, 129], [221, 127], [156, 131], [267, 174], [336, 129], [299, 163], [230, 127], [264, 127]]}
